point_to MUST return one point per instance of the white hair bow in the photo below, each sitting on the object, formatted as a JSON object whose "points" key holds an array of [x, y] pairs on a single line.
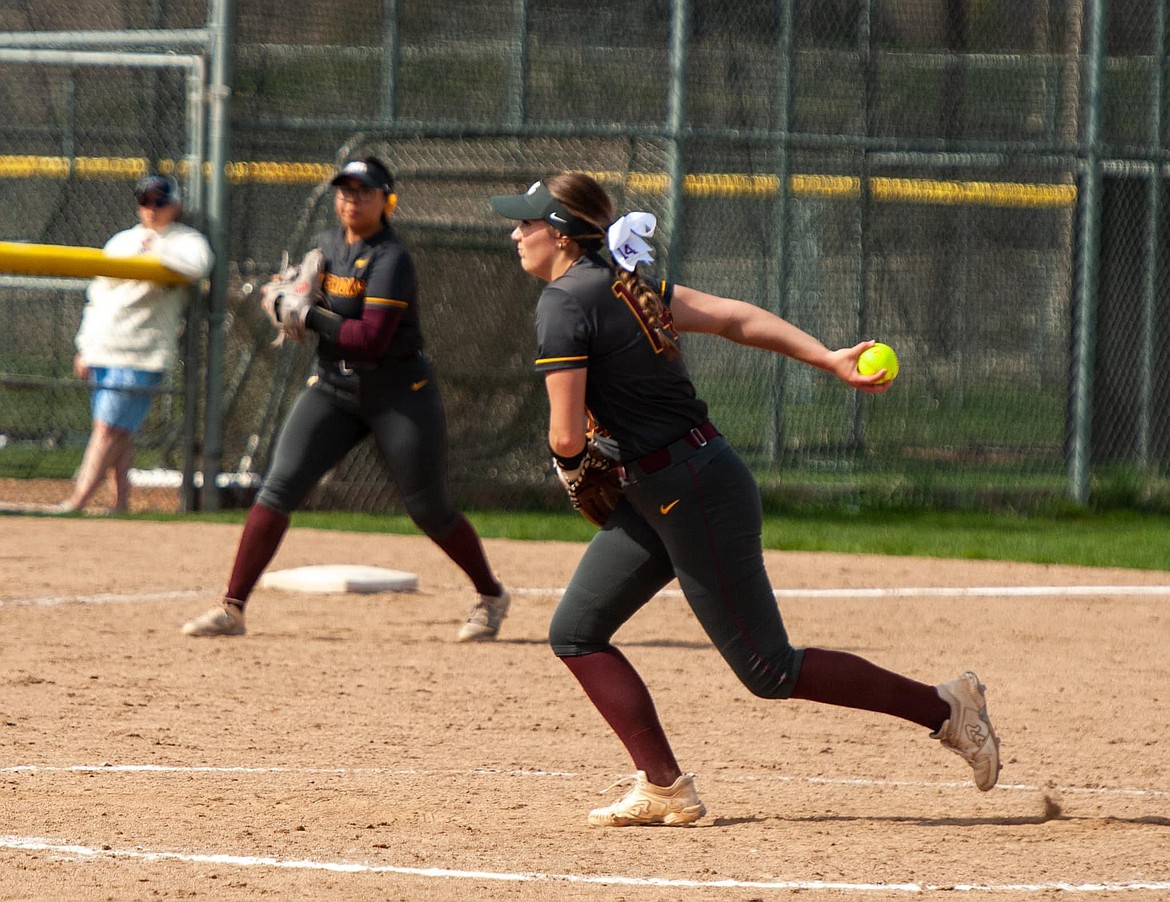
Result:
{"points": [[627, 239]]}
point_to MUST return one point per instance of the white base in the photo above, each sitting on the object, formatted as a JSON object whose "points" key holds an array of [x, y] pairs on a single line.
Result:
{"points": [[340, 578]]}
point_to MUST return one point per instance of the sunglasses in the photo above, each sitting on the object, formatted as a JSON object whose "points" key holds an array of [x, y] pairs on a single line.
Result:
{"points": [[154, 200], [356, 192]]}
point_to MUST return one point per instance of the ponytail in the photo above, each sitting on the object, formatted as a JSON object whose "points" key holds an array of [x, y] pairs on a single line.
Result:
{"points": [[651, 310]]}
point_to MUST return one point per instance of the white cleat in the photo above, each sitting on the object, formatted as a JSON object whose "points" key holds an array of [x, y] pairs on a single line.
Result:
{"points": [[968, 731], [483, 623], [225, 619], [646, 804]]}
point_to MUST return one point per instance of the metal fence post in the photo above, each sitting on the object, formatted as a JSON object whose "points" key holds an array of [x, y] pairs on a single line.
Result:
{"points": [[869, 91], [518, 74], [1088, 237], [192, 367], [222, 27], [188, 494], [1154, 195], [389, 97], [676, 103], [778, 270]]}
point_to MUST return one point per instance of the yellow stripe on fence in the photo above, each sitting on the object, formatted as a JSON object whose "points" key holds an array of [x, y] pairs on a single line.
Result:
{"points": [[844, 187], [63, 167], [280, 173], [986, 194], [15, 166], [700, 184]]}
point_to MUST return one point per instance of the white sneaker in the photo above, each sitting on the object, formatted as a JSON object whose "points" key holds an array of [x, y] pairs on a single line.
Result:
{"points": [[483, 623], [224, 619], [968, 731], [647, 804]]}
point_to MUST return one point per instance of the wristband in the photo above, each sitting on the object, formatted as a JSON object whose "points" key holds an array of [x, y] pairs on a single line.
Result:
{"points": [[569, 463]]}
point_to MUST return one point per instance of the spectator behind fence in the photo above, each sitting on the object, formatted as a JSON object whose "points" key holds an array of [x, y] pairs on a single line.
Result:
{"points": [[129, 336]]}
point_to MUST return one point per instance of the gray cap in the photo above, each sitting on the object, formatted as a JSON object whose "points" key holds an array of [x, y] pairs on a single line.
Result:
{"points": [[162, 189], [538, 203]]}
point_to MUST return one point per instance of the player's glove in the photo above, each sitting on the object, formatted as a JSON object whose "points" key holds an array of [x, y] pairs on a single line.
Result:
{"points": [[290, 295], [593, 486]]}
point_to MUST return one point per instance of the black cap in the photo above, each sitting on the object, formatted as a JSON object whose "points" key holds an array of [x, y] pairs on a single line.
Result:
{"points": [[369, 172], [538, 203], [162, 187]]}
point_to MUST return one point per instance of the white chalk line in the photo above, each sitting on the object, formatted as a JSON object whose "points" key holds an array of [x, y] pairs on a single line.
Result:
{"points": [[555, 591], [560, 774], [38, 844], [49, 601], [311, 771]]}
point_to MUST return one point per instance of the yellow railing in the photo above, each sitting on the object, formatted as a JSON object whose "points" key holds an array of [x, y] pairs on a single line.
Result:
{"points": [[699, 184]]}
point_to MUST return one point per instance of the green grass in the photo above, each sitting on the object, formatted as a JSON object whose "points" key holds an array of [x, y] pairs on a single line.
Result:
{"points": [[1125, 539]]}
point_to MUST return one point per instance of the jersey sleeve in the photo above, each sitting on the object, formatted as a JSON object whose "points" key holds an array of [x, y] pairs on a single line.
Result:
{"points": [[391, 281], [562, 332], [390, 288]]}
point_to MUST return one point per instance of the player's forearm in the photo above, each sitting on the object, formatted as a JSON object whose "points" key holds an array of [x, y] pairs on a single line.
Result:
{"points": [[566, 430], [372, 334], [758, 328], [745, 324]]}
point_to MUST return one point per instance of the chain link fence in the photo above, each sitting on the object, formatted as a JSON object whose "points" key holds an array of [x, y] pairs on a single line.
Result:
{"points": [[981, 185]]}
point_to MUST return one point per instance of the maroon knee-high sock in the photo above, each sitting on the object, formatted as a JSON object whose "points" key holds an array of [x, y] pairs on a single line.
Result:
{"points": [[263, 531], [839, 678], [462, 545], [619, 694]]}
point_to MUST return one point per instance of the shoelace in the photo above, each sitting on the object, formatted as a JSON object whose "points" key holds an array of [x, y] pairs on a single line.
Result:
{"points": [[631, 780], [489, 604]]}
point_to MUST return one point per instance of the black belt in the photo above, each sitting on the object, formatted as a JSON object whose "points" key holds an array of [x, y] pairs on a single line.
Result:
{"points": [[349, 367], [673, 453]]}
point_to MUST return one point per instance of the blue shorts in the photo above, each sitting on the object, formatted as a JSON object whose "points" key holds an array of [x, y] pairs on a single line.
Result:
{"points": [[121, 396]]}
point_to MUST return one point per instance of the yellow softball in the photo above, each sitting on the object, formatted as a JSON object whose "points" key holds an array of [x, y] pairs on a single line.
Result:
{"points": [[879, 357]]}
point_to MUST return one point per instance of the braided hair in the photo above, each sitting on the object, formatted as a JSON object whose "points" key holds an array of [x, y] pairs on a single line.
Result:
{"points": [[584, 197]]}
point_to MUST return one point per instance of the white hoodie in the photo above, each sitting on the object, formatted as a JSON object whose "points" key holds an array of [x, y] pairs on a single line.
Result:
{"points": [[135, 324]]}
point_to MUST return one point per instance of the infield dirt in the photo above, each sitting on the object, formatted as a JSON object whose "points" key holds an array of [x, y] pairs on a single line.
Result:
{"points": [[348, 748]]}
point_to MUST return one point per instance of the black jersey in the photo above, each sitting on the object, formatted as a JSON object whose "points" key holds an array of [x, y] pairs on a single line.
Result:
{"points": [[375, 272], [641, 399]]}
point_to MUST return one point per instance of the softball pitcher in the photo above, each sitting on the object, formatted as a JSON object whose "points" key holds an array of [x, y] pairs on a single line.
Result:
{"points": [[371, 377], [607, 346]]}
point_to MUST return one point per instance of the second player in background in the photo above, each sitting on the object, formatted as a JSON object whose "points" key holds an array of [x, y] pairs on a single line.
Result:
{"points": [[372, 377]]}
